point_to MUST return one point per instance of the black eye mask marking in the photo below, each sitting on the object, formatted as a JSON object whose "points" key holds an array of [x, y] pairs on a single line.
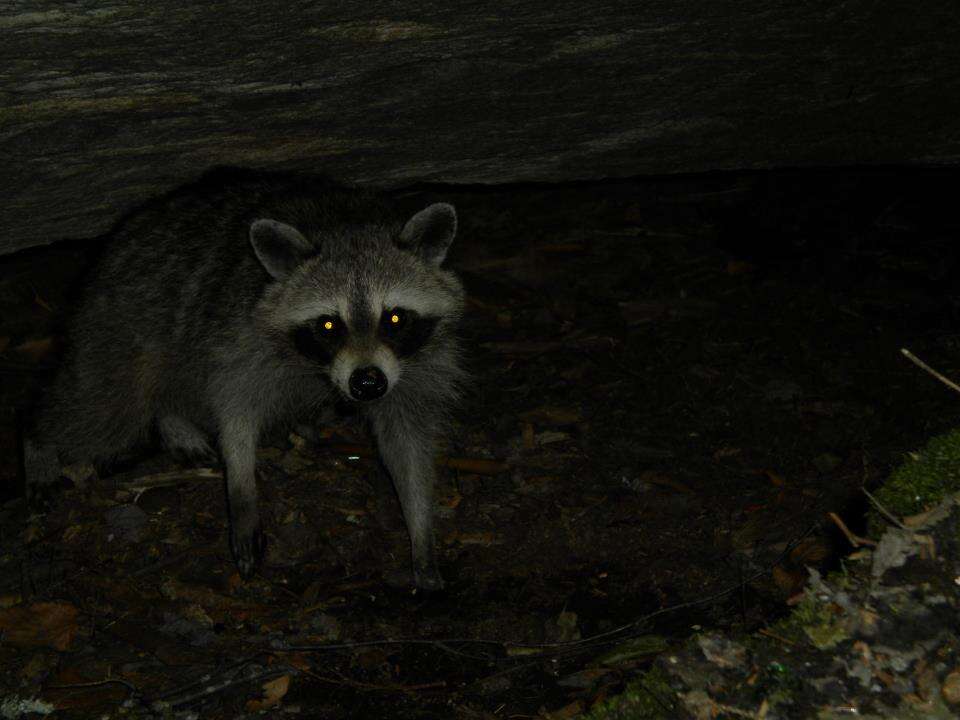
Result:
{"points": [[320, 339], [405, 331]]}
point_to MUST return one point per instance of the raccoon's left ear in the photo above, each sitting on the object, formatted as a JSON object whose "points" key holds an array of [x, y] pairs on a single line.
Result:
{"points": [[279, 247], [430, 232]]}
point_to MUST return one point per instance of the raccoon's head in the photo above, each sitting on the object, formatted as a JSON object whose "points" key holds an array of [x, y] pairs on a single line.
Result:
{"points": [[367, 305]]}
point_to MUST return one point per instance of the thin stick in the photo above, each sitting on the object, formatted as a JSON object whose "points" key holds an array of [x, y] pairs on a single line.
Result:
{"points": [[854, 540], [886, 513], [97, 683], [164, 479], [773, 636], [923, 366]]}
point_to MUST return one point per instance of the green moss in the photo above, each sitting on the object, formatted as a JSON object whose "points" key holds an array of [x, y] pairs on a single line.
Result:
{"points": [[649, 697], [814, 622], [778, 684], [922, 481]]}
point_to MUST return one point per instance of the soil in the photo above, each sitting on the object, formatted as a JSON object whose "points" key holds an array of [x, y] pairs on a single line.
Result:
{"points": [[674, 381]]}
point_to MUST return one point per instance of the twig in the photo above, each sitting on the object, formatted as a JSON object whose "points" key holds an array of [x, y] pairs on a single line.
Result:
{"points": [[97, 683], [886, 513], [164, 479], [923, 366], [213, 683], [441, 643], [392, 687], [853, 539], [774, 636]]}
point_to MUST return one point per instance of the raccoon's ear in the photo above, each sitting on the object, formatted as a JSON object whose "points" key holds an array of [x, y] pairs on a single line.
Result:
{"points": [[430, 232], [279, 247]]}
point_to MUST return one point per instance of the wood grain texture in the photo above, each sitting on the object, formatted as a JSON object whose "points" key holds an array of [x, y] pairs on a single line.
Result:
{"points": [[104, 103]]}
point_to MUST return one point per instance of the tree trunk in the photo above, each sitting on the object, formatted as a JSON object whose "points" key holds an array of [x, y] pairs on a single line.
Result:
{"points": [[108, 102]]}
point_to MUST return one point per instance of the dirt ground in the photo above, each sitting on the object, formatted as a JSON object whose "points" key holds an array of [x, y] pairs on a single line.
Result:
{"points": [[674, 381]]}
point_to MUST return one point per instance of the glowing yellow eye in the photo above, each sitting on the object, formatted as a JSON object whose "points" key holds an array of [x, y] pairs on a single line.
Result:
{"points": [[328, 325], [395, 319]]}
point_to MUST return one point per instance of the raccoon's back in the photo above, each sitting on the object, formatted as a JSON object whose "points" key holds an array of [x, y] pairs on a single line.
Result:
{"points": [[182, 268]]}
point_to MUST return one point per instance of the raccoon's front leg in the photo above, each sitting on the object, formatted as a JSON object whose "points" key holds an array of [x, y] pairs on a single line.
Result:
{"points": [[408, 454], [238, 444]]}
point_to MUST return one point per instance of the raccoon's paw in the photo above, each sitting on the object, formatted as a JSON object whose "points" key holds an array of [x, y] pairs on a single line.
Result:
{"points": [[428, 578], [248, 548]]}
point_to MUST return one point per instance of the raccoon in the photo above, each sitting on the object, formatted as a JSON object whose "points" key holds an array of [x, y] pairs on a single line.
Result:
{"points": [[251, 299]]}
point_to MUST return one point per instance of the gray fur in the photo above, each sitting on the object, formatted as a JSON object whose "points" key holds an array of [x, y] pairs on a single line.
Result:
{"points": [[187, 327]]}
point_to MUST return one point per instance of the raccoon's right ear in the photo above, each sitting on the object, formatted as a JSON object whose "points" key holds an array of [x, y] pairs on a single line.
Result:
{"points": [[430, 232], [279, 247]]}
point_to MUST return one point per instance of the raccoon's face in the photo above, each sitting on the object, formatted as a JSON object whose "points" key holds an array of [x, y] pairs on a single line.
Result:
{"points": [[366, 306]]}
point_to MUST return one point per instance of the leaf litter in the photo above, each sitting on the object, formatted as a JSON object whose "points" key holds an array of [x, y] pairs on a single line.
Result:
{"points": [[664, 412]]}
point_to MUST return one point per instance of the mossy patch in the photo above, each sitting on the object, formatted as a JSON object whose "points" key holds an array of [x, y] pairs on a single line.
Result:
{"points": [[648, 697], [812, 621], [926, 477]]}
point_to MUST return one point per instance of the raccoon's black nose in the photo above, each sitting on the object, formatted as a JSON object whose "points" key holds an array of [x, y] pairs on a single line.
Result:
{"points": [[368, 383]]}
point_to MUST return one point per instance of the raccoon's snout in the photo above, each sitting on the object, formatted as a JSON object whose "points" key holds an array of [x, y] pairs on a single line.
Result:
{"points": [[368, 383]]}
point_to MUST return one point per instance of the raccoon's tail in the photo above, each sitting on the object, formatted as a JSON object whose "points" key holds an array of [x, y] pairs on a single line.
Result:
{"points": [[79, 424]]}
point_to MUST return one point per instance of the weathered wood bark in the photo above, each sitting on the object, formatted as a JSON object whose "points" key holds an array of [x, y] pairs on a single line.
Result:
{"points": [[106, 102]]}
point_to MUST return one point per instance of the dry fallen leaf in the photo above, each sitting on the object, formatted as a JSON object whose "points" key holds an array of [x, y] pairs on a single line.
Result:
{"points": [[725, 452], [810, 552], [451, 501], [35, 350], [789, 581], [45, 624], [273, 692], [527, 437], [479, 538], [654, 478], [775, 479], [739, 267]]}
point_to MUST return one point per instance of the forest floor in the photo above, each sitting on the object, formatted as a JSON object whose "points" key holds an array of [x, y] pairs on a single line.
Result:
{"points": [[674, 381]]}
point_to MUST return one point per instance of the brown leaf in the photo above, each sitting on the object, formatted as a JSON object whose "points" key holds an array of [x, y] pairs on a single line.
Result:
{"points": [[790, 581], [479, 538], [273, 692], [775, 479], [35, 350], [739, 267], [725, 452], [451, 501], [527, 441], [478, 466], [45, 624], [810, 552]]}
